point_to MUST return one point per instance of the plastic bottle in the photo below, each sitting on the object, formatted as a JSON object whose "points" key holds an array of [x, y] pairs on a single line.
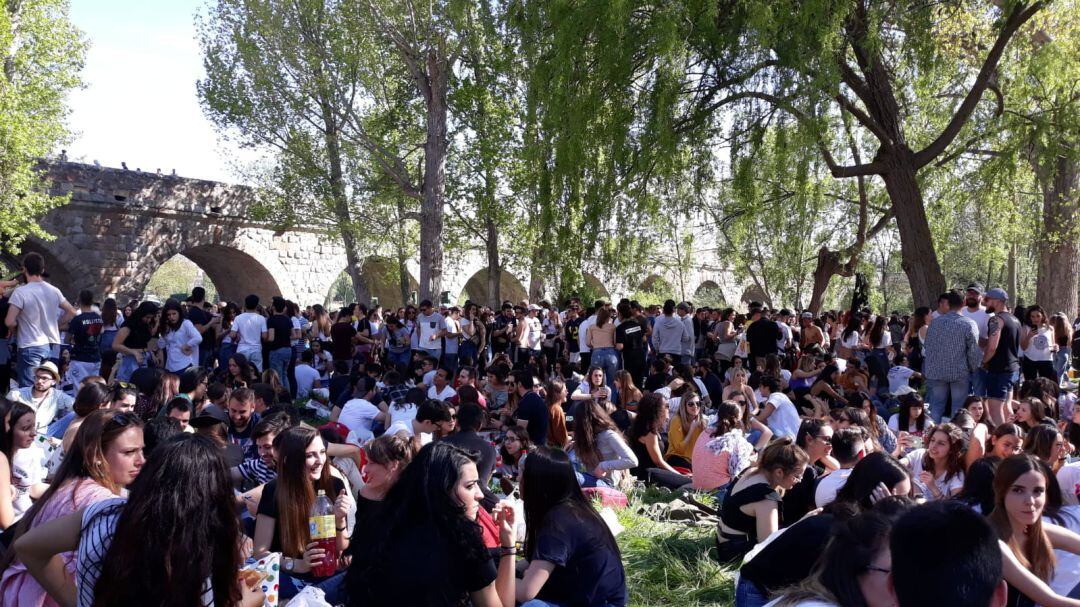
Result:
{"points": [[324, 533]]}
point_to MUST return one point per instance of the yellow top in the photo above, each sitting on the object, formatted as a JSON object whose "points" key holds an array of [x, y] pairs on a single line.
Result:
{"points": [[676, 434]]}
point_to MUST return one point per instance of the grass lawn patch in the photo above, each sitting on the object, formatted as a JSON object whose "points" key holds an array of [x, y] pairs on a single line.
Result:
{"points": [[671, 564]]}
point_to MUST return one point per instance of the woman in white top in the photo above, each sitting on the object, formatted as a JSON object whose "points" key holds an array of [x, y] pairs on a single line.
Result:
{"points": [[878, 341], [849, 338], [118, 540], [938, 470], [179, 339], [1038, 345], [22, 473], [321, 360]]}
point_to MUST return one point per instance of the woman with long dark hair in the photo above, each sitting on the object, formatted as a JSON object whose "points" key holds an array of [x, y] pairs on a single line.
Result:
{"points": [[135, 340], [1063, 335], [179, 338], [853, 570], [876, 475], [1022, 485], [105, 458], [938, 470], [112, 320], [599, 447], [174, 541], [915, 338], [423, 546], [25, 473], [90, 398], [1037, 345], [573, 557], [281, 524], [239, 372], [878, 341], [227, 340], [646, 438]]}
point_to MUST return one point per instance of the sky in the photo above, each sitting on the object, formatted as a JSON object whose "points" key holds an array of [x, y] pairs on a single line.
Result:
{"points": [[139, 105]]}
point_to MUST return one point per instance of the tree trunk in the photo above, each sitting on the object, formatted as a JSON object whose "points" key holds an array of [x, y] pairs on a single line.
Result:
{"points": [[434, 186], [1059, 247], [828, 265], [494, 273], [919, 259], [401, 253], [341, 205]]}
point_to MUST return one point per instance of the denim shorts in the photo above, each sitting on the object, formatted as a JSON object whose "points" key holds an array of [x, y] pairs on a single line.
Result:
{"points": [[998, 385]]}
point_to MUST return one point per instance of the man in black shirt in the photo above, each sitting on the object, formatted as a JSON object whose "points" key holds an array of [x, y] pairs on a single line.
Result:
{"points": [[470, 418], [202, 319], [761, 337], [84, 332], [630, 341], [1001, 359], [505, 329], [532, 413], [279, 329]]}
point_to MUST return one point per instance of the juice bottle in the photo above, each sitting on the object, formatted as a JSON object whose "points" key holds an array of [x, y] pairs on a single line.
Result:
{"points": [[324, 533]]}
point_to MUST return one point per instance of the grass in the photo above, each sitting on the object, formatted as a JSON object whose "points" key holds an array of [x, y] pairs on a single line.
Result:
{"points": [[671, 564]]}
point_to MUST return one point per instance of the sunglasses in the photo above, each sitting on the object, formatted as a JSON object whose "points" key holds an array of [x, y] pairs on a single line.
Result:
{"points": [[825, 439]]}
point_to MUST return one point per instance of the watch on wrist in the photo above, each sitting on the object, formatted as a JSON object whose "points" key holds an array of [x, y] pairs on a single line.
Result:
{"points": [[289, 564]]}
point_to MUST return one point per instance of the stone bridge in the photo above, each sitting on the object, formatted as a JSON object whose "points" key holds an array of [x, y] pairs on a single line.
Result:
{"points": [[121, 225]]}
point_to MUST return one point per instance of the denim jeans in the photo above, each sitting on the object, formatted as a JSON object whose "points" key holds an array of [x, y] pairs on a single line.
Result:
{"points": [[747, 594], [540, 603], [1062, 361], [279, 361], [128, 365], [30, 358], [224, 354], [450, 362], [938, 392], [606, 359]]}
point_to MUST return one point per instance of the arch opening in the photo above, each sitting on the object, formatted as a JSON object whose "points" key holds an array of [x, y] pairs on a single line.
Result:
{"points": [[233, 273], [654, 290], [709, 294], [476, 289], [382, 282], [176, 278], [57, 272]]}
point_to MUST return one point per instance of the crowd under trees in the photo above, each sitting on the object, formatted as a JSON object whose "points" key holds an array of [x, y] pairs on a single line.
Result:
{"points": [[922, 144]]}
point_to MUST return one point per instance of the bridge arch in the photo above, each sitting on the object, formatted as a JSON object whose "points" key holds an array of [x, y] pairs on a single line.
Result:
{"points": [[476, 289]]}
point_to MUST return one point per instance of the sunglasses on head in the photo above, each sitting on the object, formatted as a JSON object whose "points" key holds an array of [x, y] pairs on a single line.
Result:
{"points": [[124, 419]]}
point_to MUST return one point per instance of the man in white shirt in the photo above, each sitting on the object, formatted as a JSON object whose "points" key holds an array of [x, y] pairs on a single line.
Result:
{"points": [[430, 325], [250, 329], [433, 418], [974, 310], [440, 388], [534, 329], [358, 414], [685, 314], [32, 313], [306, 377], [48, 402], [784, 342], [583, 348], [848, 446], [777, 410]]}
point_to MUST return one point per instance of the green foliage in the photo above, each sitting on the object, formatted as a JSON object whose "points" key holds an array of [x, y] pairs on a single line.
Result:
{"points": [[175, 278], [42, 54]]}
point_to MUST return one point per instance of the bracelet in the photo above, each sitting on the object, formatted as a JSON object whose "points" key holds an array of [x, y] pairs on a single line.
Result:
{"points": [[342, 528], [507, 551]]}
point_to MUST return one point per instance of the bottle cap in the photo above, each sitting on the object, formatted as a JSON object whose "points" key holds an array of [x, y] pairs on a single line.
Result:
{"points": [[322, 492]]}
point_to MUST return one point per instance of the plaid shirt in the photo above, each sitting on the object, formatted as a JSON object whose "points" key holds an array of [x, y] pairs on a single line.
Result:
{"points": [[952, 348]]}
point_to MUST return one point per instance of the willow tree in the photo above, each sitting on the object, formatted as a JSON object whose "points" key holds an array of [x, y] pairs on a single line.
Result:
{"points": [[627, 83], [42, 54]]}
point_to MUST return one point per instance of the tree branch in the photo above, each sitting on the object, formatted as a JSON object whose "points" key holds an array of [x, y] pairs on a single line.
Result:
{"points": [[1020, 16]]}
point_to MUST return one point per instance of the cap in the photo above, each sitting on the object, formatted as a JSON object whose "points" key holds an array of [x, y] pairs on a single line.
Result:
{"points": [[807, 315], [50, 368], [997, 294], [340, 430], [975, 286], [210, 415], [534, 308], [683, 305]]}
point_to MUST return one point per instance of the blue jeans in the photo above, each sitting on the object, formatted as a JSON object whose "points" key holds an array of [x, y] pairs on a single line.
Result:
{"points": [[747, 594], [938, 392], [1062, 360], [606, 359], [449, 362], [279, 361], [30, 358], [128, 366], [539, 603]]}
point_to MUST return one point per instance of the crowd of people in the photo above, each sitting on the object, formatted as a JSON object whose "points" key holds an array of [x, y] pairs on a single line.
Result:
{"points": [[153, 452]]}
